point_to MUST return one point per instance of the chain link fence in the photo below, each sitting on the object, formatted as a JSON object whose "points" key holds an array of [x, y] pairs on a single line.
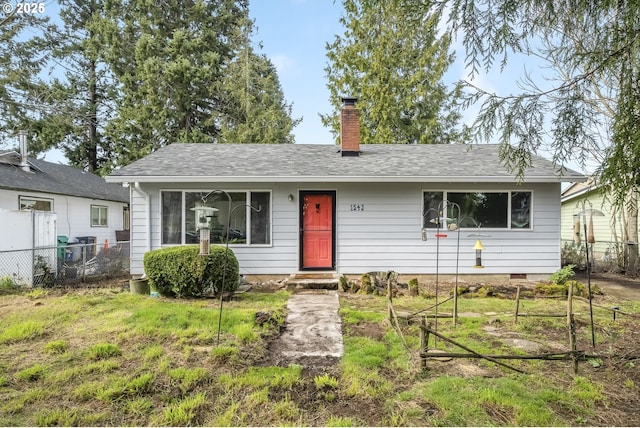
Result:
{"points": [[604, 256], [64, 264]]}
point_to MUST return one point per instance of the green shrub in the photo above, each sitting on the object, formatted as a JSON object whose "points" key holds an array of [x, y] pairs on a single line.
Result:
{"points": [[561, 276], [182, 272]]}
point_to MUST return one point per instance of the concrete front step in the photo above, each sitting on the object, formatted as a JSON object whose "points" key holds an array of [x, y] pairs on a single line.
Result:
{"points": [[306, 281]]}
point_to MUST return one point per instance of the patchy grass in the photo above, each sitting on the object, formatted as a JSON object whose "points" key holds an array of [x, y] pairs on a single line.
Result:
{"points": [[103, 357], [22, 331]]}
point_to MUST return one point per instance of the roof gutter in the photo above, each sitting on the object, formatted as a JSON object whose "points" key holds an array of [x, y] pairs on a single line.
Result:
{"points": [[147, 202], [579, 193], [342, 179]]}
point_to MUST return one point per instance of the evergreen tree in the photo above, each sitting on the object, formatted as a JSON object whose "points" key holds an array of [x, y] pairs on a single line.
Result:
{"points": [[255, 110], [82, 101], [392, 59], [594, 41], [129, 76], [169, 58], [22, 93]]}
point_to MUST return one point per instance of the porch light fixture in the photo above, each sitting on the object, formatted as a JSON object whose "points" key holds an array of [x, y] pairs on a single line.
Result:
{"points": [[290, 197]]}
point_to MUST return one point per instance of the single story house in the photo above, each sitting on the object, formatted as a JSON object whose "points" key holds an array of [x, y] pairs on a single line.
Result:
{"points": [[352, 208], [85, 205], [608, 228]]}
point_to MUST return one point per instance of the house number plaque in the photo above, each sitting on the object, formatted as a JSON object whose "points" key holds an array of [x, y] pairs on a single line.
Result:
{"points": [[357, 207]]}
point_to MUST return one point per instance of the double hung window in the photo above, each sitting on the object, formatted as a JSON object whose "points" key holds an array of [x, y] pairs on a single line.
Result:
{"points": [[99, 215]]}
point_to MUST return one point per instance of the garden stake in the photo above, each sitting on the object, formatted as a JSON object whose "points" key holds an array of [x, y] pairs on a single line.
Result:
{"points": [[226, 253], [570, 304], [226, 258], [515, 314], [226, 248], [587, 238]]}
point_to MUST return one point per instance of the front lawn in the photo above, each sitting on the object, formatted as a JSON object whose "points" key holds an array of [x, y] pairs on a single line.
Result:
{"points": [[107, 357]]}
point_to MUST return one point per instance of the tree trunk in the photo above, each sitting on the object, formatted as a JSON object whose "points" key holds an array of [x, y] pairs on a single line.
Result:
{"points": [[92, 126], [632, 232]]}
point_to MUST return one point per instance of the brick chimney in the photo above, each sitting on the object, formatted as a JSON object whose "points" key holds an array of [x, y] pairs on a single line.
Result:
{"points": [[349, 128]]}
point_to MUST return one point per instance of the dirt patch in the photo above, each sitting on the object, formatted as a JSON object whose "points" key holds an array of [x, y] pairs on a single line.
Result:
{"points": [[613, 285]]}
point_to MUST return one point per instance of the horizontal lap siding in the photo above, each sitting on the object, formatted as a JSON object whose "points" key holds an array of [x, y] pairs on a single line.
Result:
{"points": [[281, 256], [605, 228], [139, 238], [278, 258], [73, 214], [387, 234], [384, 235]]}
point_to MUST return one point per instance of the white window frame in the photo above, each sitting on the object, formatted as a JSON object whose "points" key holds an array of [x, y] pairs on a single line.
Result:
{"points": [[509, 207], [22, 198], [248, 214], [106, 215]]}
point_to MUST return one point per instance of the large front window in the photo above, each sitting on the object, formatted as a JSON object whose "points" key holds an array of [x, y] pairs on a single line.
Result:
{"points": [[185, 213], [498, 210]]}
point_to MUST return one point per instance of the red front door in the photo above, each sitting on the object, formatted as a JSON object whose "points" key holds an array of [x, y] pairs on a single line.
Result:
{"points": [[317, 214]]}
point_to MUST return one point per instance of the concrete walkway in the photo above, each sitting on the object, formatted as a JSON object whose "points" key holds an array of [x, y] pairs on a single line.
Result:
{"points": [[313, 331]]}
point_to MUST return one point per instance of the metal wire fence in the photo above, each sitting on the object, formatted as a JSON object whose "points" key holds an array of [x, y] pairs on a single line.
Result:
{"points": [[64, 265], [604, 256]]}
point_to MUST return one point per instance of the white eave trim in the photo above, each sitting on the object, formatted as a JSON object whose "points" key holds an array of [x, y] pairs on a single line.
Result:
{"points": [[340, 179], [578, 193]]}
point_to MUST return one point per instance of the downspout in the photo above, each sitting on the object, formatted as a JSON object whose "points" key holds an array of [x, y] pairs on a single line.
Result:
{"points": [[147, 200]]}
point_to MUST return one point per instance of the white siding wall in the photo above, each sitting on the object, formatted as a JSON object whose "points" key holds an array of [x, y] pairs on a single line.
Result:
{"points": [[74, 214], [385, 235], [139, 233]]}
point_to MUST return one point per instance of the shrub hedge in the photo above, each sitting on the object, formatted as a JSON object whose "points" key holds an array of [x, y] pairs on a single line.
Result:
{"points": [[183, 272]]}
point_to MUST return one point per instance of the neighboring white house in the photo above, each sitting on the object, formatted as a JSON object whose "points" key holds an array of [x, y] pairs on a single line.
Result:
{"points": [[350, 209], [85, 205]]}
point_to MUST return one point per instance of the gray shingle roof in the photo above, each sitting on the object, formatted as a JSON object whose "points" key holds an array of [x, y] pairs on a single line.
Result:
{"points": [[47, 177], [315, 162]]}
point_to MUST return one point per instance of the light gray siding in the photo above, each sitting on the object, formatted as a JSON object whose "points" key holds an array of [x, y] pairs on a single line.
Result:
{"points": [[387, 234], [384, 235]]}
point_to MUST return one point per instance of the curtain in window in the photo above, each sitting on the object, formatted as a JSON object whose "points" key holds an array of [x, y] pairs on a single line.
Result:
{"points": [[171, 217]]}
